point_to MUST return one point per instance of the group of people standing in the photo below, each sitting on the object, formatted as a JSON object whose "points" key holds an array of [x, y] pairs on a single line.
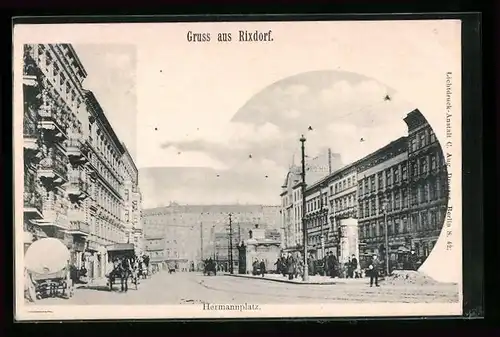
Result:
{"points": [[292, 265]]}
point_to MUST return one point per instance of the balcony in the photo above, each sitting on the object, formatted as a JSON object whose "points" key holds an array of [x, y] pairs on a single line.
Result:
{"points": [[53, 169], [53, 219], [80, 228], [33, 205], [77, 151], [52, 119], [30, 68], [30, 135], [78, 189]]}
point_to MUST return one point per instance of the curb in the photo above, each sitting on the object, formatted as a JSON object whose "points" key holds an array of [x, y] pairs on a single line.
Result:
{"points": [[282, 281]]}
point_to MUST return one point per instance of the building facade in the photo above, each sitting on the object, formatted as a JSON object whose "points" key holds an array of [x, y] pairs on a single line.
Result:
{"points": [[73, 177], [291, 209], [428, 184], [56, 188], [383, 199], [132, 201]]}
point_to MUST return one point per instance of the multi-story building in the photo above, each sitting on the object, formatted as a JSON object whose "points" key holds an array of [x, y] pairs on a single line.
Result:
{"points": [[428, 184], [328, 202], [132, 201], [317, 169], [73, 177], [291, 209], [383, 198], [56, 178], [191, 231]]}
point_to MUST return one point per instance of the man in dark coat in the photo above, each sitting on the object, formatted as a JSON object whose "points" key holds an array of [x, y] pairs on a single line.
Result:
{"points": [[332, 264], [262, 267], [354, 266], [310, 265], [374, 269], [326, 264], [290, 266]]}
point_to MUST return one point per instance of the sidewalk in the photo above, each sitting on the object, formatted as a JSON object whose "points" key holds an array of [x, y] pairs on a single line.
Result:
{"points": [[316, 279]]}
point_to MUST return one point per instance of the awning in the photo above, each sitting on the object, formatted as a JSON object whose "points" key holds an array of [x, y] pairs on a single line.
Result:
{"points": [[120, 247]]}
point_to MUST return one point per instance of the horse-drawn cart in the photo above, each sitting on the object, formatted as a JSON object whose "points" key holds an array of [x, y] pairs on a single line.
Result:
{"points": [[122, 256], [48, 270]]}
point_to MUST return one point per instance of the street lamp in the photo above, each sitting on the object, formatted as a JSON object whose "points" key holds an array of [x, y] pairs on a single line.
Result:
{"points": [[305, 276], [386, 227]]}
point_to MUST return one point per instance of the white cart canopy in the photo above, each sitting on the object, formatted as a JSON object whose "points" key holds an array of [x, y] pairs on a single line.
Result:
{"points": [[46, 256]]}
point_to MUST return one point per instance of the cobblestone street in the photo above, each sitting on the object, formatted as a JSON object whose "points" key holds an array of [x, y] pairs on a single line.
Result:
{"points": [[191, 288]]}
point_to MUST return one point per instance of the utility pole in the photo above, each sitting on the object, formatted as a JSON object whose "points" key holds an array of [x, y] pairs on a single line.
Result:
{"points": [[230, 243], [305, 276]]}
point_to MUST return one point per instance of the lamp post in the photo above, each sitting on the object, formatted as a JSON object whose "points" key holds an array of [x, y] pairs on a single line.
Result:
{"points": [[386, 227], [213, 233], [305, 276], [230, 243]]}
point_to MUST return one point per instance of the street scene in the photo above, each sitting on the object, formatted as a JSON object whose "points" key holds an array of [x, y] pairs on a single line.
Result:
{"points": [[194, 288], [290, 203]]}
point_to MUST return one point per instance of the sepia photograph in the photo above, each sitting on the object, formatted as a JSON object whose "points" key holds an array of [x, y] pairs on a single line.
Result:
{"points": [[237, 169]]}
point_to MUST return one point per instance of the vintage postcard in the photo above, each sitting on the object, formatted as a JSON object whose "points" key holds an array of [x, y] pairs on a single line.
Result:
{"points": [[237, 169]]}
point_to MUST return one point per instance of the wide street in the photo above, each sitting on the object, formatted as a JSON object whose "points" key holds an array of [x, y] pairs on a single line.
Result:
{"points": [[194, 288]]}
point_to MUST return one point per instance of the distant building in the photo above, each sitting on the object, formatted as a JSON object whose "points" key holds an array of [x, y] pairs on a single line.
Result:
{"points": [[196, 232]]}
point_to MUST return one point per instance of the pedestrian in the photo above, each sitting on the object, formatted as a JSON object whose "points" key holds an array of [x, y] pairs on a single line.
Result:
{"points": [[262, 268], [326, 264], [310, 265], [354, 266], [374, 269], [290, 263], [348, 268], [331, 264]]}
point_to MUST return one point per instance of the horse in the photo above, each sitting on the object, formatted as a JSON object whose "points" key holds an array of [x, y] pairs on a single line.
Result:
{"points": [[121, 270]]}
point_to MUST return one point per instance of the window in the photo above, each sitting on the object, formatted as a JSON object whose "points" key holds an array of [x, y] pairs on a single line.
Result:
{"points": [[414, 169], [373, 208], [404, 197], [397, 229], [404, 173], [425, 190], [388, 177], [380, 180], [422, 139], [424, 166], [397, 201], [433, 163], [432, 137], [331, 189], [360, 190], [366, 186], [372, 183], [413, 144], [344, 184], [414, 197], [396, 175], [348, 182]]}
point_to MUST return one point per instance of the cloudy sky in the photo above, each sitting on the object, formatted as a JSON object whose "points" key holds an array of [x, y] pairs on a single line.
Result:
{"points": [[240, 155]]}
